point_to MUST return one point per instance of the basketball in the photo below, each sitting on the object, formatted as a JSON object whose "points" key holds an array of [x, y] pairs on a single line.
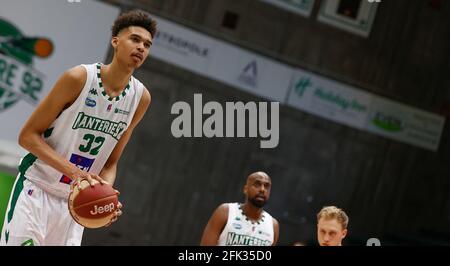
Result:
{"points": [[93, 207]]}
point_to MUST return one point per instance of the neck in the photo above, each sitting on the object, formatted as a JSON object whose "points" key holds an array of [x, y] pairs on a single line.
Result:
{"points": [[252, 211], [116, 75]]}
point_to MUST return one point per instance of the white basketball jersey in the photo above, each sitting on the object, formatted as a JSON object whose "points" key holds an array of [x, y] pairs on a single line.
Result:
{"points": [[85, 133], [241, 231]]}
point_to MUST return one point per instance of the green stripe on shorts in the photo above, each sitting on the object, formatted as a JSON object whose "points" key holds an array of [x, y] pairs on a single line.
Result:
{"points": [[17, 189], [27, 161]]}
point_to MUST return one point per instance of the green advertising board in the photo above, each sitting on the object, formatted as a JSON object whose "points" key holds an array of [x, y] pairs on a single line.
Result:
{"points": [[6, 184]]}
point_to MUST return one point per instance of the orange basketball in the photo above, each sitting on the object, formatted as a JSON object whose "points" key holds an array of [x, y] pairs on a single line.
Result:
{"points": [[93, 207]]}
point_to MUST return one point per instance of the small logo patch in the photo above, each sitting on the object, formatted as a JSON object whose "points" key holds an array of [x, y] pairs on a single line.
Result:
{"points": [[90, 102], [30, 192], [81, 162], [120, 111], [237, 226]]}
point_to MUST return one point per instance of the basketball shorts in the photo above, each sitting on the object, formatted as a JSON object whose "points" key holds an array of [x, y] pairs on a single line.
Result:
{"points": [[37, 218]]}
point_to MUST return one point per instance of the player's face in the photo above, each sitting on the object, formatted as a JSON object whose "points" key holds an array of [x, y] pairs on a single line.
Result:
{"points": [[330, 232], [132, 45], [257, 190]]}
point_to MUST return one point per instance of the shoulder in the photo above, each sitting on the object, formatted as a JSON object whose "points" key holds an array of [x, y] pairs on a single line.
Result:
{"points": [[76, 74], [69, 85], [275, 222], [221, 212], [224, 207], [146, 97], [144, 103], [276, 225]]}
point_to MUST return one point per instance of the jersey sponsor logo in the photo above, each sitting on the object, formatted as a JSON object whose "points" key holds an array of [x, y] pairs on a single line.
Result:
{"points": [[263, 233], [120, 111], [111, 128], [237, 226], [102, 209], [79, 161], [90, 102], [234, 239]]}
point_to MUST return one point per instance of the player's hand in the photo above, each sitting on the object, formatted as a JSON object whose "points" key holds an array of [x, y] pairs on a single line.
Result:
{"points": [[118, 212], [80, 175]]}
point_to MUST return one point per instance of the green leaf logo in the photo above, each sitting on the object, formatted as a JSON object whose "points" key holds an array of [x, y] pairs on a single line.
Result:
{"points": [[387, 122]]}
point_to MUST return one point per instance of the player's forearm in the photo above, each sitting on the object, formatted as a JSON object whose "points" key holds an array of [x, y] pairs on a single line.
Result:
{"points": [[39, 148], [108, 173]]}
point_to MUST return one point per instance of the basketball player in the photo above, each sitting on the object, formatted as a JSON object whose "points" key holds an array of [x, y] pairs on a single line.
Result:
{"points": [[77, 132], [332, 225], [247, 224]]}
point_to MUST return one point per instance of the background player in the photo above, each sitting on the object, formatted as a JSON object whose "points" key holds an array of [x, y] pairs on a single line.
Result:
{"points": [[247, 224], [332, 225]]}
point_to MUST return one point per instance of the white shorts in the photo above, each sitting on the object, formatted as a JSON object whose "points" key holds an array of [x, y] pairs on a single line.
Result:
{"points": [[37, 218]]}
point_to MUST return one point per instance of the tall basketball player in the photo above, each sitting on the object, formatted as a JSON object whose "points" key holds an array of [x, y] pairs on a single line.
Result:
{"points": [[246, 224], [77, 132]]}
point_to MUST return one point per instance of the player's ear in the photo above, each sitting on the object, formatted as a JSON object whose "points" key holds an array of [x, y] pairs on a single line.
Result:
{"points": [[344, 233], [114, 41]]}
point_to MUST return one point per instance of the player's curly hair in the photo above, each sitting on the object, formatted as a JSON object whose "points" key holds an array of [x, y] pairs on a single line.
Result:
{"points": [[134, 18]]}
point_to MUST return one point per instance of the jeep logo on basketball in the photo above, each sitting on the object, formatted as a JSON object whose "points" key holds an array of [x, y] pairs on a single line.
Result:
{"points": [[102, 209]]}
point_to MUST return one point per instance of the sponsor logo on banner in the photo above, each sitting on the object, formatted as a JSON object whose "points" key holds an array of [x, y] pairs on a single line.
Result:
{"points": [[405, 123], [249, 74], [387, 122], [180, 44], [329, 99], [344, 104], [18, 78], [301, 85]]}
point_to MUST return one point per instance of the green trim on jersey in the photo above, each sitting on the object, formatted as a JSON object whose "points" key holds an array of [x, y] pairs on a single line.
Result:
{"points": [[48, 132], [100, 85]]}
